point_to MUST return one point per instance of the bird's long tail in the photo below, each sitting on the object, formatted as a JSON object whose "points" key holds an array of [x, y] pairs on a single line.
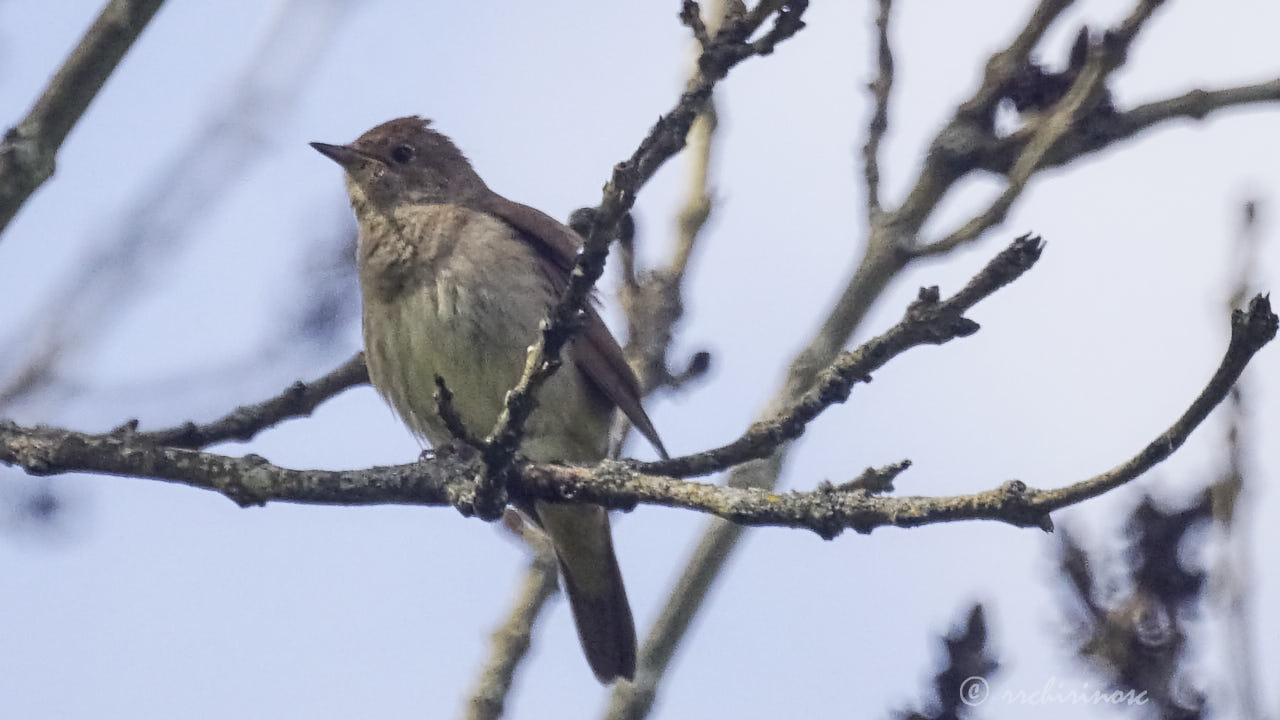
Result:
{"points": [[593, 582]]}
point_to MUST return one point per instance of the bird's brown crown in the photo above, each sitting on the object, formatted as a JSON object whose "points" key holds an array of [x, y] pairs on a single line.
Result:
{"points": [[411, 141]]}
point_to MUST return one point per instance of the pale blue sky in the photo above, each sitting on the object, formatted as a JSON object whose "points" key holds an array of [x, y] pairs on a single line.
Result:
{"points": [[163, 601]]}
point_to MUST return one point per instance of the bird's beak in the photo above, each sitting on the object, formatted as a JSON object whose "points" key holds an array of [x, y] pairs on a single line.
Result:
{"points": [[345, 155]]}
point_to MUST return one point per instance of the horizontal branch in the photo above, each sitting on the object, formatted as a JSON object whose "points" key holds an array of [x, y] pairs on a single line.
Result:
{"points": [[28, 150], [447, 479], [1104, 131]]}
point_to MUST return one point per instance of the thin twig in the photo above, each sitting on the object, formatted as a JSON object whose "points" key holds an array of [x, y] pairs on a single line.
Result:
{"points": [[28, 151], [653, 306], [880, 89], [242, 424], [1235, 562]]}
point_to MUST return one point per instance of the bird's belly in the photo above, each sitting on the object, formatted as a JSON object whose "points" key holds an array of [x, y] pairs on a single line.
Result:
{"points": [[476, 342]]}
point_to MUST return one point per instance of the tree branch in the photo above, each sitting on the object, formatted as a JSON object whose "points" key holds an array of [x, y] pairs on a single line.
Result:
{"points": [[880, 89], [28, 150], [731, 45], [447, 479], [298, 400], [1067, 116], [1102, 132], [927, 321], [194, 180], [964, 144]]}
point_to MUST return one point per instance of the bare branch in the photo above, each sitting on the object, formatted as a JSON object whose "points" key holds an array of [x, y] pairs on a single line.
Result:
{"points": [[1250, 330], [880, 89], [28, 151], [1066, 116], [243, 423], [447, 479], [1103, 132], [730, 46], [653, 301], [449, 416], [927, 321]]}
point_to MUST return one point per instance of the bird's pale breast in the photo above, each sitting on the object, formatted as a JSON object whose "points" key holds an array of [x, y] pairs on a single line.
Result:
{"points": [[453, 292]]}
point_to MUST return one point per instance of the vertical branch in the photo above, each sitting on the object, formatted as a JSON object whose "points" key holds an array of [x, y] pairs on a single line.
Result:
{"points": [[653, 301], [880, 89], [510, 641], [28, 151], [653, 306]]}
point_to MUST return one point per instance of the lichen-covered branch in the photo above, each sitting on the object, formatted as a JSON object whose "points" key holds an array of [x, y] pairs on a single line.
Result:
{"points": [[28, 150], [446, 479]]}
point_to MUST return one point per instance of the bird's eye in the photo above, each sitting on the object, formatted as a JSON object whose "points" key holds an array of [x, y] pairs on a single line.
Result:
{"points": [[402, 153]]}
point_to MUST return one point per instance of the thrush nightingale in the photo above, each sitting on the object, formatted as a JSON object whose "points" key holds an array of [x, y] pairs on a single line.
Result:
{"points": [[455, 280]]}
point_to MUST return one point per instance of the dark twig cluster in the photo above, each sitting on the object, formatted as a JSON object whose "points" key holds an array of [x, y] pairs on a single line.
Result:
{"points": [[1136, 638], [961, 684]]}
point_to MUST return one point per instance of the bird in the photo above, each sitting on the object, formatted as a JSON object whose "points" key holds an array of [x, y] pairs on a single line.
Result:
{"points": [[454, 282]]}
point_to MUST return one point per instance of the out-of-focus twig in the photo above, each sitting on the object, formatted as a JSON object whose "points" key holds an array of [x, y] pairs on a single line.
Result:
{"points": [[1088, 90], [1234, 566], [28, 150], [1133, 634], [962, 683], [880, 90], [511, 640]]}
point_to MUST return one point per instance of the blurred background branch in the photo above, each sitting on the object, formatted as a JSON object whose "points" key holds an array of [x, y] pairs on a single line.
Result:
{"points": [[28, 150], [161, 220]]}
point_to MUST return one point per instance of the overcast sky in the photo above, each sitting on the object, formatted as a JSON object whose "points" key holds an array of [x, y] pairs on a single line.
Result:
{"points": [[154, 600]]}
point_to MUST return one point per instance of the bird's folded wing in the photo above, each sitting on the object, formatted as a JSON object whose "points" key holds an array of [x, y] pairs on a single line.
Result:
{"points": [[596, 352]]}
